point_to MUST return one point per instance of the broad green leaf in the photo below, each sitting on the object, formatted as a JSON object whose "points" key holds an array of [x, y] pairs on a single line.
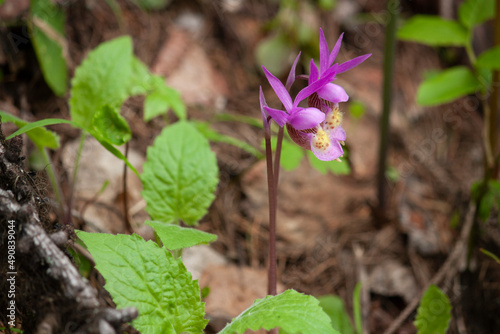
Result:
{"points": [[433, 31], [46, 17], [161, 99], [176, 237], [291, 311], [111, 125], [335, 309], [40, 136], [447, 86], [474, 12], [103, 78], [140, 274], [180, 175], [336, 167], [214, 136], [489, 59], [433, 314]]}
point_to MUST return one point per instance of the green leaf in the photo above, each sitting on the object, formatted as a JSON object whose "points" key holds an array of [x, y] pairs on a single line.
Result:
{"points": [[335, 309], [216, 137], [111, 125], [292, 311], [141, 274], [274, 53], [491, 255], [103, 78], [474, 12], [336, 167], [180, 175], [151, 4], [433, 314], [489, 59], [161, 100], [40, 136], [176, 237], [433, 31], [291, 153], [447, 86], [356, 307], [49, 51], [357, 109]]}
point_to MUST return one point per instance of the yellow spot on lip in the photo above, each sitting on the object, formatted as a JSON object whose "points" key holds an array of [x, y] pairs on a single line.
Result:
{"points": [[321, 140]]}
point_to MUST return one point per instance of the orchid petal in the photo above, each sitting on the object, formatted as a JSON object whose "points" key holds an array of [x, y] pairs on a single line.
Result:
{"points": [[291, 75], [333, 93], [325, 150], [313, 76], [335, 50], [323, 52], [352, 63], [337, 134], [279, 116], [279, 89], [263, 104], [328, 76], [306, 118]]}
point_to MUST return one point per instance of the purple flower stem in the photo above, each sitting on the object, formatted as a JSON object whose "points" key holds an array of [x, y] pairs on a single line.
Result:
{"points": [[271, 186]]}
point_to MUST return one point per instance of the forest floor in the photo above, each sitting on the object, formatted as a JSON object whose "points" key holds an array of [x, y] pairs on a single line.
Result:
{"points": [[330, 234]]}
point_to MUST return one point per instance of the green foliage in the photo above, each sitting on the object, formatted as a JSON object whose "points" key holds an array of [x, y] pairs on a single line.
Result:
{"points": [[475, 12], [40, 136], [357, 109], [145, 276], [214, 136], [109, 124], [491, 255], [103, 78], [490, 199], [47, 16], [274, 53], [291, 311], [151, 4], [447, 86], [336, 167], [489, 59], [433, 31], [356, 301], [161, 99], [291, 155], [180, 175], [176, 237], [335, 309], [433, 314]]}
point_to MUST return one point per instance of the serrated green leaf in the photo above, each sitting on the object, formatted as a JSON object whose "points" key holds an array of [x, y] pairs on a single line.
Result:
{"points": [[111, 125], [141, 274], [474, 12], [48, 51], [489, 59], [176, 237], [180, 175], [292, 311], [216, 137], [447, 86], [103, 78], [433, 314], [336, 167], [40, 136], [433, 31], [335, 309]]}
